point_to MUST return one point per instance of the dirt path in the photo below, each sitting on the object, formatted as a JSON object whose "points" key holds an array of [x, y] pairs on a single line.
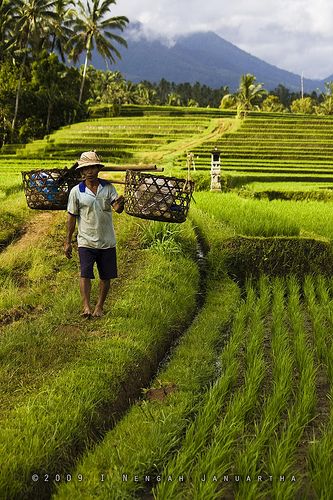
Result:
{"points": [[33, 231]]}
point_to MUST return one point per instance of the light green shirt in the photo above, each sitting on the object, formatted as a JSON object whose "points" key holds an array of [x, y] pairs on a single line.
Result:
{"points": [[94, 213]]}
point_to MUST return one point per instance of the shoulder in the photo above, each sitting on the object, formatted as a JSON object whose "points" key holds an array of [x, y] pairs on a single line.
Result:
{"points": [[104, 182], [107, 186], [75, 191]]}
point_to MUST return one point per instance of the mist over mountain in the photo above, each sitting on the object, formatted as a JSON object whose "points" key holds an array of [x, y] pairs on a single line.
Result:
{"points": [[204, 57]]}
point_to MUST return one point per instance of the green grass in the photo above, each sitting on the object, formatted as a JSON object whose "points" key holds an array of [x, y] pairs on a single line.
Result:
{"points": [[262, 429], [247, 217], [245, 389], [292, 145], [153, 428], [264, 218], [67, 385]]}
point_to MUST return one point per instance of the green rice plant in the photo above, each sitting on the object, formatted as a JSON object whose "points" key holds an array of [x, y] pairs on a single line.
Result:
{"points": [[212, 233], [247, 217], [318, 314], [320, 452], [163, 236], [320, 456], [152, 430], [143, 138], [249, 460], [265, 218], [273, 139], [209, 438], [67, 410], [281, 461]]}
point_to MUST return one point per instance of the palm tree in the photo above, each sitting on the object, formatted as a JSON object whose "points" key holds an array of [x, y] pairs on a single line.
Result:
{"points": [[60, 27], [174, 99], [91, 27], [6, 26], [249, 92], [31, 18]]}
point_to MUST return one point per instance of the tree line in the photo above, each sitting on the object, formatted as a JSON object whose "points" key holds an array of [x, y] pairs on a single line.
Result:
{"points": [[251, 96], [38, 91], [41, 89]]}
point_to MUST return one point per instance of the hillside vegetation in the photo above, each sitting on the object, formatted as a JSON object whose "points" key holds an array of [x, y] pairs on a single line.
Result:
{"points": [[274, 148], [213, 362]]}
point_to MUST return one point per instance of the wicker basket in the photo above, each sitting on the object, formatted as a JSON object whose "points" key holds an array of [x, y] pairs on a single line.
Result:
{"points": [[165, 199], [49, 189]]}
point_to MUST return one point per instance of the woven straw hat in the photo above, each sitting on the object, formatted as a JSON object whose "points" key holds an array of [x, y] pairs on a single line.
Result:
{"points": [[89, 158]]}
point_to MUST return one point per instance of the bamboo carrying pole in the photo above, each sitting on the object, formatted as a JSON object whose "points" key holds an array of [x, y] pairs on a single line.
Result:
{"points": [[123, 168], [138, 168], [114, 181]]}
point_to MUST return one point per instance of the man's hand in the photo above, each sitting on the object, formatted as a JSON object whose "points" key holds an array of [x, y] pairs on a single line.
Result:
{"points": [[68, 249], [71, 222], [118, 204]]}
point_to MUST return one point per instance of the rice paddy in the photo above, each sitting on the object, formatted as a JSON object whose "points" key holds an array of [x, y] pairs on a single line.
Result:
{"points": [[202, 380], [275, 148]]}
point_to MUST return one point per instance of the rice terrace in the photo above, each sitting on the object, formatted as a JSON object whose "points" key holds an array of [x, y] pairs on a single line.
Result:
{"points": [[210, 375]]}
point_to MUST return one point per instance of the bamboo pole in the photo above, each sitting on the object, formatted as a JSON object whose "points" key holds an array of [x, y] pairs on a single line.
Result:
{"points": [[143, 168], [114, 181]]}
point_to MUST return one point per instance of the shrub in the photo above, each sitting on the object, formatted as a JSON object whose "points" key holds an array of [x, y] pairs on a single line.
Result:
{"points": [[247, 257], [305, 105]]}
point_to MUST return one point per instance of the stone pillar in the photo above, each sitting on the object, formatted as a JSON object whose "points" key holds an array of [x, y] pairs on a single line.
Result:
{"points": [[215, 171]]}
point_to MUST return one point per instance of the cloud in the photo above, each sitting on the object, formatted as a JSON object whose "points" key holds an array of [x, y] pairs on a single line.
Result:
{"points": [[292, 34]]}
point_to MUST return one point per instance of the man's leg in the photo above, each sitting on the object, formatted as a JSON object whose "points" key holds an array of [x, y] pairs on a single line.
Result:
{"points": [[104, 287], [87, 259], [107, 268], [85, 289]]}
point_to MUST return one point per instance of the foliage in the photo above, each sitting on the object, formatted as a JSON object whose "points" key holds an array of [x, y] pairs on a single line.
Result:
{"points": [[245, 257], [30, 31], [48, 98], [228, 101], [303, 105], [91, 28], [325, 107], [272, 104], [250, 93], [111, 86]]}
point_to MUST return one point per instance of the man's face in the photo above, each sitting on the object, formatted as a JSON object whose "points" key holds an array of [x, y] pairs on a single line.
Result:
{"points": [[90, 173]]}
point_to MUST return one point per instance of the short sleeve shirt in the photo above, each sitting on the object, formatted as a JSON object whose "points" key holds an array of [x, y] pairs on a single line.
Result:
{"points": [[94, 213]]}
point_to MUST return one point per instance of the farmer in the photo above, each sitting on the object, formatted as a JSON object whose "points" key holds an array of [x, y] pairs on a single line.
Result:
{"points": [[90, 203]]}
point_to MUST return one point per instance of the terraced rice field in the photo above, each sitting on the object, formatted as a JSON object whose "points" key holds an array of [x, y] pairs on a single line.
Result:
{"points": [[204, 379], [293, 149], [123, 139]]}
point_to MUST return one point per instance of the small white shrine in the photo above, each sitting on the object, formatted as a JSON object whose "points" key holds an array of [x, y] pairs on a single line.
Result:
{"points": [[215, 171]]}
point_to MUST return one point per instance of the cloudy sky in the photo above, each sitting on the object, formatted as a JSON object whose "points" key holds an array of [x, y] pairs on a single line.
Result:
{"points": [[295, 35]]}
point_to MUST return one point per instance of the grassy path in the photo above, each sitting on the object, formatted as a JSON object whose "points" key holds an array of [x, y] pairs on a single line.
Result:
{"points": [[79, 377]]}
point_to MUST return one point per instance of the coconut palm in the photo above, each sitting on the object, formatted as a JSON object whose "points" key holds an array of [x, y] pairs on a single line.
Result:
{"points": [[174, 99], [250, 92], [6, 26], [31, 18], [326, 105], [92, 28], [60, 28]]}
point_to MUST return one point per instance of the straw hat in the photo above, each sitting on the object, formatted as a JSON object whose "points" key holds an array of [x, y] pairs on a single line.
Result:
{"points": [[89, 158]]}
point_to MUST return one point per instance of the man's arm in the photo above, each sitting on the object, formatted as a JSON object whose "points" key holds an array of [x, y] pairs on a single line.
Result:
{"points": [[118, 204], [71, 222]]}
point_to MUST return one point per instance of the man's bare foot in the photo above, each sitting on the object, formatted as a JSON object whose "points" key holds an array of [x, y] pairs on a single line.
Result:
{"points": [[86, 312], [98, 312]]}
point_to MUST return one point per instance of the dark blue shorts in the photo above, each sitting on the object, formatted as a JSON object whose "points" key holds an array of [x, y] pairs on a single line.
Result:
{"points": [[105, 259]]}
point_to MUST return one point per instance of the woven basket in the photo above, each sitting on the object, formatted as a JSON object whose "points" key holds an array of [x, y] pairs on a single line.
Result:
{"points": [[49, 189], [165, 199]]}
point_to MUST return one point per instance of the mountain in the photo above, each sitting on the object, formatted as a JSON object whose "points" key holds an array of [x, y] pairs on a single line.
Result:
{"points": [[203, 57]]}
